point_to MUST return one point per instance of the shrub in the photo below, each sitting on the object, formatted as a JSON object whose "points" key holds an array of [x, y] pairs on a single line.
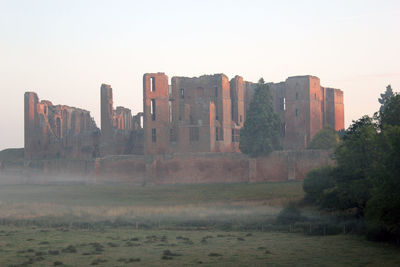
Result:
{"points": [[289, 215], [326, 138], [316, 182]]}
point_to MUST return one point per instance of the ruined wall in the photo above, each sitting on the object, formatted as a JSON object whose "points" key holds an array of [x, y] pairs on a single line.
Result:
{"points": [[297, 113], [200, 168], [201, 111], [300, 102], [339, 110], [192, 114], [58, 131], [172, 168], [334, 110], [31, 122], [225, 145], [305, 107], [315, 102], [293, 165], [199, 114], [106, 107], [156, 113], [215, 167], [129, 168], [237, 98], [121, 133]]}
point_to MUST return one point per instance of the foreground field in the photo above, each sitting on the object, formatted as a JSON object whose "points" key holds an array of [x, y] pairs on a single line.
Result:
{"points": [[129, 247], [167, 204], [175, 225]]}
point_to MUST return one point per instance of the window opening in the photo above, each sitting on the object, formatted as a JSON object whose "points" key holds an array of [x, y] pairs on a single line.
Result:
{"points": [[172, 135], [152, 84], [153, 109], [219, 134], [194, 134]]}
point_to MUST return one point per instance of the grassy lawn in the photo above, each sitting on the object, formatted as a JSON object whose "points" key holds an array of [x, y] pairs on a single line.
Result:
{"points": [[175, 225], [165, 203], [129, 247], [151, 195]]}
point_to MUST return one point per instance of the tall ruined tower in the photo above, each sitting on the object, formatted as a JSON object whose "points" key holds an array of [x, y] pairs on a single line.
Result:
{"points": [[31, 123], [334, 108], [156, 118], [223, 105], [237, 100], [303, 114], [106, 112]]}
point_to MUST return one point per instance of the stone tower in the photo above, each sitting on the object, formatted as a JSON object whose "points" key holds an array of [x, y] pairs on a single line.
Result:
{"points": [[156, 118], [106, 112], [31, 122]]}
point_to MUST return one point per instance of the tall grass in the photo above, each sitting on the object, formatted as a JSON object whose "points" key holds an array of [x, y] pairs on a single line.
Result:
{"points": [[213, 205]]}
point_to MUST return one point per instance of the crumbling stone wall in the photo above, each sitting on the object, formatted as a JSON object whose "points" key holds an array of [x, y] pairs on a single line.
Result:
{"points": [[121, 133], [58, 131], [199, 114], [334, 115], [156, 114], [206, 113], [304, 107], [170, 169]]}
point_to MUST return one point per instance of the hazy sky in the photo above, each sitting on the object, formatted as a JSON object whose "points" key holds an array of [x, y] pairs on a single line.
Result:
{"points": [[64, 50]]}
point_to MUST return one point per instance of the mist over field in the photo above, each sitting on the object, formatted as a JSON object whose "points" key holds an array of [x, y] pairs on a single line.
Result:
{"points": [[177, 225]]}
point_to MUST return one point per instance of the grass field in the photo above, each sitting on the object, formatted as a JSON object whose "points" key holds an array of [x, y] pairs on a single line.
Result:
{"points": [[168, 225], [129, 247], [146, 205]]}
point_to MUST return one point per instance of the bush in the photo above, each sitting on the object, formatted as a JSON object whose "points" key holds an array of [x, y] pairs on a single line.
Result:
{"points": [[326, 138], [316, 182], [289, 215]]}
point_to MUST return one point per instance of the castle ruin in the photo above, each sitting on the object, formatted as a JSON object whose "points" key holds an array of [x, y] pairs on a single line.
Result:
{"points": [[200, 114]]}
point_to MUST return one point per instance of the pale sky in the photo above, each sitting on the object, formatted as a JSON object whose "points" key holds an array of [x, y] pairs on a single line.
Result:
{"points": [[64, 50]]}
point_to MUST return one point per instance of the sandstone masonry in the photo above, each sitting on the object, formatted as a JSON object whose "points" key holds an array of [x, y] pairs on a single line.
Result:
{"points": [[190, 115]]}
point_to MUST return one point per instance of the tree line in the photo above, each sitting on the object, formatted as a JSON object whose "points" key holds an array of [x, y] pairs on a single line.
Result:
{"points": [[365, 181]]}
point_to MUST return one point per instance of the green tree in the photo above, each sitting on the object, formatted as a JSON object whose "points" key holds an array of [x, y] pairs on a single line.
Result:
{"points": [[347, 185], [355, 157], [356, 153], [260, 134], [326, 138], [366, 177], [390, 114], [383, 208], [385, 97]]}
